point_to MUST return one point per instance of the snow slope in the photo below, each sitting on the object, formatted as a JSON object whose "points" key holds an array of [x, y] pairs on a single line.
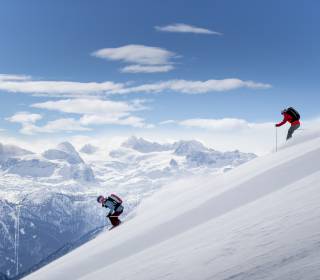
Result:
{"points": [[258, 221], [56, 191]]}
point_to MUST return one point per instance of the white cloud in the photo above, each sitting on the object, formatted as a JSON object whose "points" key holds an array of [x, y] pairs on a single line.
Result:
{"points": [[66, 89], [228, 133], [67, 124], [225, 124], [186, 28], [145, 59], [23, 84], [219, 125], [138, 54], [29, 127], [194, 87], [147, 68], [168, 122], [91, 106], [99, 112], [92, 112], [24, 117], [108, 120], [56, 126], [9, 77]]}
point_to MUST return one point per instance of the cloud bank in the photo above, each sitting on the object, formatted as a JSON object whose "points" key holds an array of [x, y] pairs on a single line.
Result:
{"points": [[24, 84]]}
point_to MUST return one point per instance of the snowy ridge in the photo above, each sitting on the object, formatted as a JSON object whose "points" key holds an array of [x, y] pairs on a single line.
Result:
{"points": [[191, 153], [144, 146], [61, 163], [64, 151], [9, 151], [259, 221]]}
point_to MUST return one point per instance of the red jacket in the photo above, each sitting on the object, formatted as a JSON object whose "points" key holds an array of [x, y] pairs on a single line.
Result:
{"points": [[287, 118]]}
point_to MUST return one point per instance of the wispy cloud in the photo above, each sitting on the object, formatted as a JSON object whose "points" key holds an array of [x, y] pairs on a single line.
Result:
{"points": [[67, 89], [91, 106], [147, 68], [225, 124], [194, 87], [186, 28], [138, 54], [218, 125], [145, 59], [55, 126], [92, 112], [24, 117], [9, 77], [24, 84], [112, 120], [29, 127], [99, 112], [168, 122]]}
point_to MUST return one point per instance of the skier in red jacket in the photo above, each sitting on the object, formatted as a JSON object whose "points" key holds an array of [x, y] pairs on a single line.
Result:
{"points": [[292, 116]]}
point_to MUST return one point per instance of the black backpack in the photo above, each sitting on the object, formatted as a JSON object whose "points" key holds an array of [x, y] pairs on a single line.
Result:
{"points": [[293, 113], [113, 202]]}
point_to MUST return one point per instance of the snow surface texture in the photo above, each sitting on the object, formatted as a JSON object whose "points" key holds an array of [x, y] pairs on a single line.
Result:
{"points": [[258, 221], [56, 191]]}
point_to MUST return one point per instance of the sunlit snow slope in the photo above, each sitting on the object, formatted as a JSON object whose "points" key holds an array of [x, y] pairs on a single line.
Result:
{"points": [[259, 221]]}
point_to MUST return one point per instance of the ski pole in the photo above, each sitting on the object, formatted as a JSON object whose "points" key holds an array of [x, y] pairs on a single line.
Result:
{"points": [[276, 139]]}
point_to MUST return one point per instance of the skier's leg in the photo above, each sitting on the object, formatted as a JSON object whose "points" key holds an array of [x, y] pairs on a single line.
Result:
{"points": [[114, 221], [114, 218], [291, 130]]}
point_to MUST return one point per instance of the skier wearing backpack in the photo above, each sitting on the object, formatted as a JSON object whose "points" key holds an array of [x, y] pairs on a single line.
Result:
{"points": [[292, 116], [114, 204]]}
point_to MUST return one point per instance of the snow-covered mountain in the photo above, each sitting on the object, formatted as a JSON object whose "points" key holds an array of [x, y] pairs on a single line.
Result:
{"points": [[191, 153], [50, 213], [89, 149], [53, 194], [185, 148], [9, 151], [47, 221], [58, 164], [258, 221], [64, 151], [144, 146], [181, 148]]}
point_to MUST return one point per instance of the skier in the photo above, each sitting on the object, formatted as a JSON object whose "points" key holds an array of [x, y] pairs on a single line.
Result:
{"points": [[292, 116], [114, 204]]}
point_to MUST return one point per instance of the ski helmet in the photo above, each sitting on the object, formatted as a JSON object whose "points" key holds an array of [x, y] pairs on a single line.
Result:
{"points": [[100, 198], [283, 111]]}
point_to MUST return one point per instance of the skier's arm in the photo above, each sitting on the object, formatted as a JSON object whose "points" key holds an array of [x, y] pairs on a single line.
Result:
{"points": [[110, 213], [282, 123]]}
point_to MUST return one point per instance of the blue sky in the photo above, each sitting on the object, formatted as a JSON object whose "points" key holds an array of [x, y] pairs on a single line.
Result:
{"points": [[80, 66]]}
